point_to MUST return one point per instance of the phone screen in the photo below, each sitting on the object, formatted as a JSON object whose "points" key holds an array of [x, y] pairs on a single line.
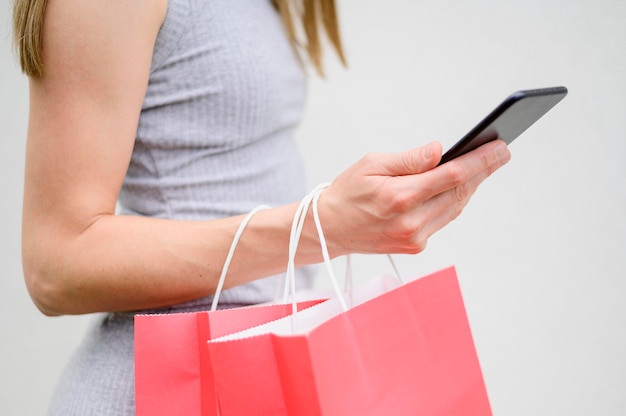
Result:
{"points": [[510, 119]]}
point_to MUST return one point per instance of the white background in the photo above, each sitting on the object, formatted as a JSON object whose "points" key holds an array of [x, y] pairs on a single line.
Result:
{"points": [[540, 249]]}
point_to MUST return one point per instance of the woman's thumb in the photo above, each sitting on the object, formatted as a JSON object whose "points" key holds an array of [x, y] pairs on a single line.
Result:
{"points": [[414, 161]]}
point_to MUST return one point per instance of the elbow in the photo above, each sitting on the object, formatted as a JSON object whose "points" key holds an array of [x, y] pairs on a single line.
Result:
{"points": [[48, 273], [44, 293], [51, 266], [46, 289]]}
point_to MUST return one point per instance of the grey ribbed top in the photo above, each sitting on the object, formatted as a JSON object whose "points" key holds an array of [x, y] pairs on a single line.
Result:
{"points": [[215, 135]]}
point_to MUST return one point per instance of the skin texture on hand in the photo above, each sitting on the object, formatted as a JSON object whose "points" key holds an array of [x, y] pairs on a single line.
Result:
{"points": [[394, 203]]}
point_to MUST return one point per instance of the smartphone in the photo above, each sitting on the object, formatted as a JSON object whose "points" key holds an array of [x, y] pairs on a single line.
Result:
{"points": [[510, 119]]}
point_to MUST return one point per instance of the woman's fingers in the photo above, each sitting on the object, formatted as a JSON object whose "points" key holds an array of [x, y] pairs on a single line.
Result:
{"points": [[411, 162], [479, 163], [439, 210], [392, 203]]}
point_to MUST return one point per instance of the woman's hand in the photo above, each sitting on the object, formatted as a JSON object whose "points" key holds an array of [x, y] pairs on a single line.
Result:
{"points": [[393, 203]]}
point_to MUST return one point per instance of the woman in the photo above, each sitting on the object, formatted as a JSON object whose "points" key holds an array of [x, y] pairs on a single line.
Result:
{"points": [[182, 113]]}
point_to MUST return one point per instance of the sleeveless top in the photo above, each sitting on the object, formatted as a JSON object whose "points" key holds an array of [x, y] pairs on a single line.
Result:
{"points": [[215, 138], [215, 135]]}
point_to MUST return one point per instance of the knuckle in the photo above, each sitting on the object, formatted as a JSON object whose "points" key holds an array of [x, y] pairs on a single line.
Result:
{"points": [[411, 228], [492, 168], [370, 159], [407, 235], [456, 175], [396, 199], [418, 246], [403, 232], [462, 193], [408, 162], [457, 210], [399, 201], [490, 161]]}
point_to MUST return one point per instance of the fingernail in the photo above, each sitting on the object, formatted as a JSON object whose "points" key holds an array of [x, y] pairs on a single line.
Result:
{"points": [[428, 151], [503, 153]]}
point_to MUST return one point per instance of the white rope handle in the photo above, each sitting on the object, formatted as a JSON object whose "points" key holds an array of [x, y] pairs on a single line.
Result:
{"points": [[294, 238], [231, 252], [395, 268], [348, 285], [349, 279], [296, 230], [324, 246]]}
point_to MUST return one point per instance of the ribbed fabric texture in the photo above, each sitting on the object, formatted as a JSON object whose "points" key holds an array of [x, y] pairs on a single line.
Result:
{"points": [[215, 136], [214, 139]]}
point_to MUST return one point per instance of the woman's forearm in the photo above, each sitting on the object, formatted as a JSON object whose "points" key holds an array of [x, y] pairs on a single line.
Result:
{"points": [[122, 263]]}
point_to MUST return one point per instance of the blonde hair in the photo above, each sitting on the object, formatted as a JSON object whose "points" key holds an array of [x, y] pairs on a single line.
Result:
{"points": [[314, 15], [28, 34], [316, 18]]}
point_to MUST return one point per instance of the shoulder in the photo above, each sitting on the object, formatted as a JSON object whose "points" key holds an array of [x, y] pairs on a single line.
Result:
{"points": [[86, 28]]}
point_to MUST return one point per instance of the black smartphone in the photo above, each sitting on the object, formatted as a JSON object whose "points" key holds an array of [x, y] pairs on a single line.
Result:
{"points": [[510, 119]]}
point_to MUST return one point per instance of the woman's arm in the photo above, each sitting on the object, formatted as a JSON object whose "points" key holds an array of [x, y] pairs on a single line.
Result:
{"points": [[79, 257]]}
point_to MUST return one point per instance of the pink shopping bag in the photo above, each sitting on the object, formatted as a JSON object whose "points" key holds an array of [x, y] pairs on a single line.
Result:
{"points": [[172, 373], [404, 350]]}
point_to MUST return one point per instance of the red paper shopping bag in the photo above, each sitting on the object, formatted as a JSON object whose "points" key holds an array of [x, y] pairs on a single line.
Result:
{"points": [[407, 351], [172, 371]]}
